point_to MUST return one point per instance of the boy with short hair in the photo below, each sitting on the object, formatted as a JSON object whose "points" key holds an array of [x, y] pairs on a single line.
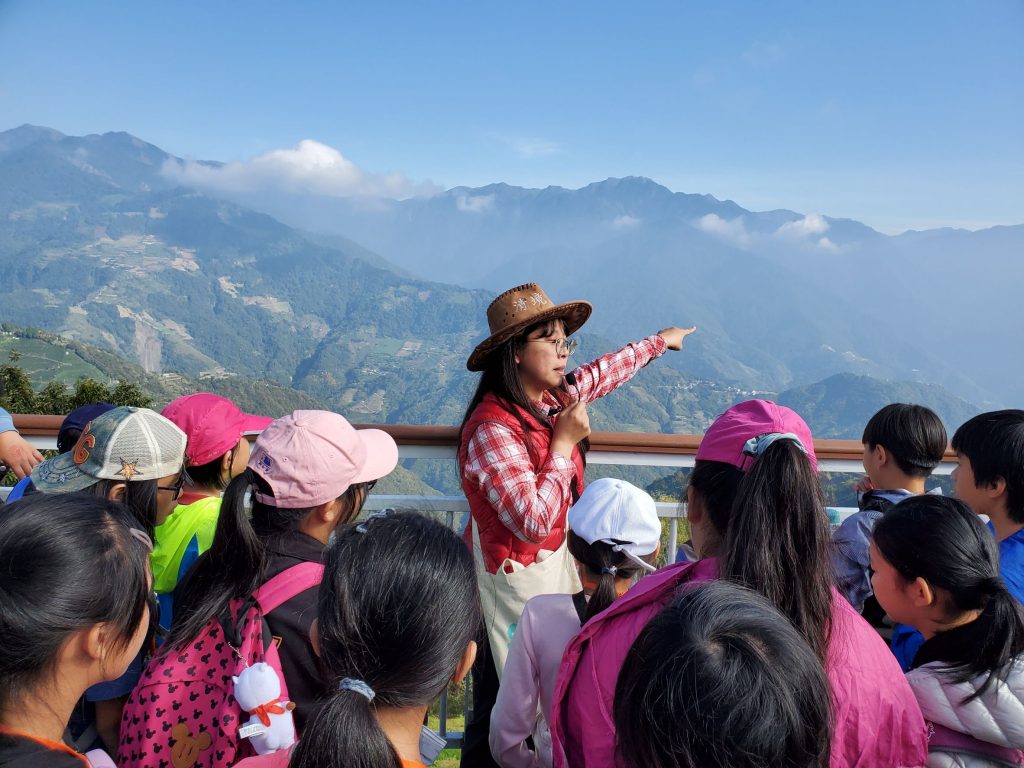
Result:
{"points": [[989, 478], [902, 445]]}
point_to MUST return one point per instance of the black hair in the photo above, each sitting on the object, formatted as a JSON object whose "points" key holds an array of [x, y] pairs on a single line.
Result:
{"points": [[69, 562], [397, 608], [599, 558], [140, 497], [500, 377], [235, 564], [720, 677], [941, 540], [209, 475], [913, 434], [774, 535], [994, 443]]}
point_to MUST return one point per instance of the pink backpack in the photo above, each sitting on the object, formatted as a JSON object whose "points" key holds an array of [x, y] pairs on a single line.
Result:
{"points": [[183, 713]]}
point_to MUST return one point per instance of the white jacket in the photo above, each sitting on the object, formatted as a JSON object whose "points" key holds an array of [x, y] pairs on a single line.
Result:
{"points": [[996, 717]]}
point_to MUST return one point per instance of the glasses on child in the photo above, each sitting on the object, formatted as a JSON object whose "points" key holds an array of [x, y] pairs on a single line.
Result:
{"points": [[178, 486], [562, 346]]}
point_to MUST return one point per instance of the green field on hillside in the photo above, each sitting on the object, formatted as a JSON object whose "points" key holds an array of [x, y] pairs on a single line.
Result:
{"points": [[45, 362]]}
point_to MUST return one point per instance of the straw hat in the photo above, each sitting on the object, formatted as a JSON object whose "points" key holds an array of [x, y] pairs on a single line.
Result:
{"points": [[518, 309]]}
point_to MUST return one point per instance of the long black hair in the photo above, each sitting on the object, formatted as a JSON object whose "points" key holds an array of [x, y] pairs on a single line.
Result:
{"points": [[599, 558], [500, 377], [942, 541], [140, 497], [235, 564], [69, 562], [720, 677], [397, 608], [773, 534]]}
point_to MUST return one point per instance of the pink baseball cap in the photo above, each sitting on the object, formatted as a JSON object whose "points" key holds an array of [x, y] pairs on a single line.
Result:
{"points": [[733, 436], [213, 425], [311, 457]]}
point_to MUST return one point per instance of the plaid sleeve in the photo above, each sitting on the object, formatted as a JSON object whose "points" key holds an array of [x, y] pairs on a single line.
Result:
{"points": [[527, 502], [600, 377], [850, 559]]}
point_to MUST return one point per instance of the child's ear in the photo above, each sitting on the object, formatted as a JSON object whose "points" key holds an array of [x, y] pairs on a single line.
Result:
{"points": [[116, 492], [882, 456], [694, 511], [466, 663], [997, 488], [921, 593]]}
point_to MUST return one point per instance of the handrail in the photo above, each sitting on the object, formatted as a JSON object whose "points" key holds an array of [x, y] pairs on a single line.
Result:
{"points": [[445, 439]]}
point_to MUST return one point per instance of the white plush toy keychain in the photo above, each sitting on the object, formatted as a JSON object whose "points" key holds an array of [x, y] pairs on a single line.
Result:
{"points": [[271, 726]]}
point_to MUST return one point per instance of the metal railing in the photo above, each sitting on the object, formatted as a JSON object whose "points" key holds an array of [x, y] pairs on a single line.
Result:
{"points": [[607, 448]]}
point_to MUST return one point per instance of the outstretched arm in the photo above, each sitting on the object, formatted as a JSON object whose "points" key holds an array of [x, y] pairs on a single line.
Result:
{"points": [[607, 373], [15, 451]]}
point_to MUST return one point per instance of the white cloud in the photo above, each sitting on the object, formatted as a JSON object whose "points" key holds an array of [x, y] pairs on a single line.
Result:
{"points": [[625, 221], [811, 224], [474, 204], [827, 245], [309, 167], [734, 230]]}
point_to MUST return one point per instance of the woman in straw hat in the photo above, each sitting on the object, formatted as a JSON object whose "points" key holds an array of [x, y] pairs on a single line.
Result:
{"points": [[521, 462]]}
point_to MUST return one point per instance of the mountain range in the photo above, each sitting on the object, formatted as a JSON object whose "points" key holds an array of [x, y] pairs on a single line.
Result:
{"points": [[375, 314]]}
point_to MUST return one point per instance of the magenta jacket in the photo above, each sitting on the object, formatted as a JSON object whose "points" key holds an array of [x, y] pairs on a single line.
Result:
{"points": [[878, 723]]}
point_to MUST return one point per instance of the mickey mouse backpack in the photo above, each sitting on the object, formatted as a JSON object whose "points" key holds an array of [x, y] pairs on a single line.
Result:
{"points": [[183, 713]]}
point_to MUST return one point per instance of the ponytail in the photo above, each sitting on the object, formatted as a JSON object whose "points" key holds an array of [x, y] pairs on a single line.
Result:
{"points": [[777, 538], [396, 611], [941, 540], [607, 565], [234, 566], [345, 727]]}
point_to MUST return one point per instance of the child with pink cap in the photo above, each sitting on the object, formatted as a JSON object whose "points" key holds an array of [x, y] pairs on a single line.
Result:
{"points": [[757, 517], [308, 473], [217, 451]]}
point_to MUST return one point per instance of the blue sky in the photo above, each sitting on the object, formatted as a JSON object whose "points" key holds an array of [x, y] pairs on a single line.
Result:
{"points": [[902, 115]]}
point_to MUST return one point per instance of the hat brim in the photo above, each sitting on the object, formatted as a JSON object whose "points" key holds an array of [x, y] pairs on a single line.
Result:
{"points": [[381, 455], [61, 475], [573, 313], [252, 425]]}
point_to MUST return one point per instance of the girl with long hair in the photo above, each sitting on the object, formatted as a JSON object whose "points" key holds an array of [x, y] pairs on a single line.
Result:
{"points": [[74, 612], [757, 517], [309, 473], [936, 568], [396, 620]]}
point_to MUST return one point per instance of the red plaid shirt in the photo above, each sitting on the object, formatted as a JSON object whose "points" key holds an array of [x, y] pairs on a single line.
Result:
{"points": [[529, 500]]}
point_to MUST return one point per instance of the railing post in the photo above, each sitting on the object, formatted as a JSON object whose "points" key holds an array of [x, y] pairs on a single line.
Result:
{"points": [[673, 535]]}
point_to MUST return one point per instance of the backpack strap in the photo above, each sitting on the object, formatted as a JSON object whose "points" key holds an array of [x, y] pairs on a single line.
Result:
{"points": [[287, 584]]}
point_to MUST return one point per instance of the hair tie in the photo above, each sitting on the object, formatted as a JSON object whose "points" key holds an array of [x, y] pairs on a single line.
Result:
{"points": [[610, 570], [756, 446], [358, 686], [141, 536]]}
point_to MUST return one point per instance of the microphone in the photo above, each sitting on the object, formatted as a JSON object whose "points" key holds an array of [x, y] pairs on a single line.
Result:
{"points": [[570, 379]]}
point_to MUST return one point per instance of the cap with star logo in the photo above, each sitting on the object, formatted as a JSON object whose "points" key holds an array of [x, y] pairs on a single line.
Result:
{"points": [[127, 444]]}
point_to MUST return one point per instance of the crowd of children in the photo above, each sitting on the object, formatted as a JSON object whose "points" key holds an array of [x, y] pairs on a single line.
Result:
{"points": [[169, 597]]}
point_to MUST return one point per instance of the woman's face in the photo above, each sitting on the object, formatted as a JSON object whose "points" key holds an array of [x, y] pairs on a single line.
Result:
{"points": [[540, 366]]}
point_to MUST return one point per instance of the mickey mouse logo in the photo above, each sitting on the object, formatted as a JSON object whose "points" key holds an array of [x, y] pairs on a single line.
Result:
{"points": [[186, 749], [85, 443]]}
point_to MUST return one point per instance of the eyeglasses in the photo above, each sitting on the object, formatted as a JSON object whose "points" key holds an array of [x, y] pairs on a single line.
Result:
{"points": [[562, 346], [369, 485], [177, 487]]}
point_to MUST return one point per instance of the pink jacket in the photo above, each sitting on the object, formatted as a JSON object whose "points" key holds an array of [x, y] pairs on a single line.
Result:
{"points": [[878, 723]]}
